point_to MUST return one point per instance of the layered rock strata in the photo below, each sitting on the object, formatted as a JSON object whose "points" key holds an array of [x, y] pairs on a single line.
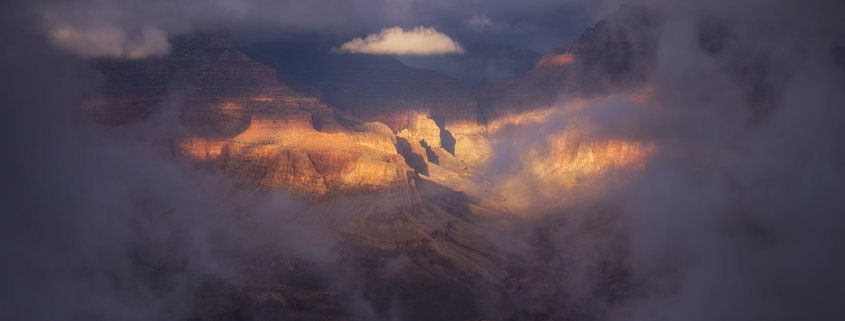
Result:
{"points": [[423, 156], [234, 114], [617, 52]]}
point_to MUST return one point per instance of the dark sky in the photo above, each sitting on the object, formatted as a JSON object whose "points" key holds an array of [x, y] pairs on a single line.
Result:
{"points": [[504, 38]]}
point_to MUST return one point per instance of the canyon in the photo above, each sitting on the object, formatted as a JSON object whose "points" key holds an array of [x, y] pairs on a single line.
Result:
{"points": [[373, 126], [418, 163]]}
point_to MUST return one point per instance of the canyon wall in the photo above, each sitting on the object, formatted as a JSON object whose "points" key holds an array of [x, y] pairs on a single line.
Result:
{"points": [[368, 123]]}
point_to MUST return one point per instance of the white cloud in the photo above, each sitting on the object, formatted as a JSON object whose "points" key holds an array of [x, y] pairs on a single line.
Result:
{"points": [[397, 41], [110, 41]]}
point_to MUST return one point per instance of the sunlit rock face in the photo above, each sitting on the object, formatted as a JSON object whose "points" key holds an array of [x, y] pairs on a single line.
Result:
{"points": [[473, 149], [550, 157], [234, 115], [568, 168], [427, 149], [237, 117], [314, 163], [377, 124], [423, 128], [200, 148], [405, 163], [448, 134]]}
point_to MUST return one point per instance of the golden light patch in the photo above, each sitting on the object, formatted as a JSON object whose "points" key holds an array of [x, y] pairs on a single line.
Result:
{"points": [[200, 149], [275, 131], [558, 60], [230, 109], [263, 99]]}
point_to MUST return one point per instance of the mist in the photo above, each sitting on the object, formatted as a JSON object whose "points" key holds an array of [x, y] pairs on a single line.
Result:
{"points": [[735, 213]]}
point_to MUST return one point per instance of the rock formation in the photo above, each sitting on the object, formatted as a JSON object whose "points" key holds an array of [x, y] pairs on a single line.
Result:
{"points": [[371, 88], [370, 123], [235, 115], [404, 153], [616, 52]]}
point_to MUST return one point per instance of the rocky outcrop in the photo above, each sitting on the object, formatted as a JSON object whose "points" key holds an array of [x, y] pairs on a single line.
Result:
{"points": [[446, 133], [314, 163], [570, 168], [235, 116], [386, 128], [372, 88], [368, 123], [413, 146], [212, 87], [421, 127], [616, 52], [432, 151]]}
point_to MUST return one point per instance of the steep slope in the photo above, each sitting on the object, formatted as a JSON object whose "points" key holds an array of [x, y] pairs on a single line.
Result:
{"points": [[616, 52], [379, 88], [399, 159], [234, 115], [239, 119], [236, 118], [216, 87], [372, 88]]}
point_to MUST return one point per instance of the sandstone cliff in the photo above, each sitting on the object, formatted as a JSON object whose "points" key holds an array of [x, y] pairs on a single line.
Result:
{"points": [[236, 116]]}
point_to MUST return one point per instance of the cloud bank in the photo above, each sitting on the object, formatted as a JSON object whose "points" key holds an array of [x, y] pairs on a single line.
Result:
{"points": [[421, 41]]}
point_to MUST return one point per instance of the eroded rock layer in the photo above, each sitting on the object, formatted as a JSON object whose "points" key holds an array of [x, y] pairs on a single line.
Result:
{"points": [[387, 123], [234, 114], [428, 162], [617, 52]]}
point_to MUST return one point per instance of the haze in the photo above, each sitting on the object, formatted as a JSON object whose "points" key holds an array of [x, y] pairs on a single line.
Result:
{"points": [[422, 160]]}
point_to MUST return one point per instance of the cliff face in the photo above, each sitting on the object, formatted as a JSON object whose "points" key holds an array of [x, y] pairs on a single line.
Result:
{"points": [[616, 52], [235, 115], [372, 88], [568, 168], [369, 123], [313, 163], [216, 89], [414, 147]]}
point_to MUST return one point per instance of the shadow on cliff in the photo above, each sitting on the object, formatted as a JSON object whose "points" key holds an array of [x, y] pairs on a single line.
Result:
{"points": [[415, 161]]}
